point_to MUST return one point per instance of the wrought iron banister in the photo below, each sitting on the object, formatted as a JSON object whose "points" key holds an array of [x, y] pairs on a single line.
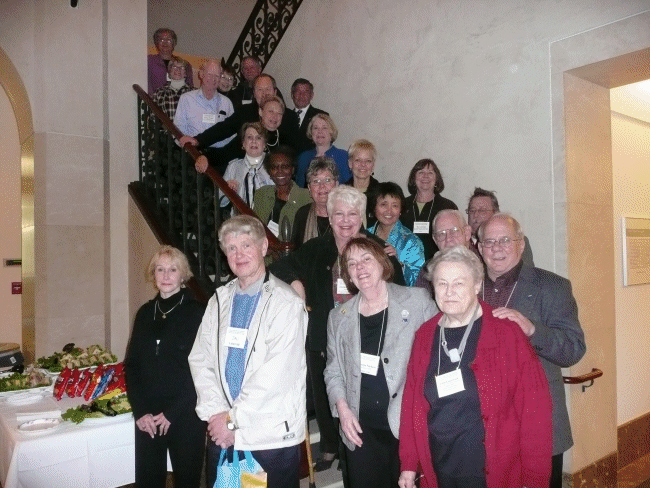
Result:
{"points": [[263, 31], [184, 203]]}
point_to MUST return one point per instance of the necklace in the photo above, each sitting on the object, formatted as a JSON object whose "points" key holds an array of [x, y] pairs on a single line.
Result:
{"points": [[164, 314]]}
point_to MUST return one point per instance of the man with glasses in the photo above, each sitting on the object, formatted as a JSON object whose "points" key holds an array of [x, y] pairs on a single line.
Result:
{"points": [[449, 230], [482, 205], [158, 64], [543, 306]]}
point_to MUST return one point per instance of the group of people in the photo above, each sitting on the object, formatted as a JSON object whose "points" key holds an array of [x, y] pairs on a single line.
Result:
{"points": [[431, 346]]}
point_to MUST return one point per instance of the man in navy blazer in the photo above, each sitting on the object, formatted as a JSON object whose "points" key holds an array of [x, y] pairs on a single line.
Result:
{"points": [[542, 304], [302, 93]]}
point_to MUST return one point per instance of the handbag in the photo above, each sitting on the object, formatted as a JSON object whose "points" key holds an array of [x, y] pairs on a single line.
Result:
{"points": [[229, 474]]}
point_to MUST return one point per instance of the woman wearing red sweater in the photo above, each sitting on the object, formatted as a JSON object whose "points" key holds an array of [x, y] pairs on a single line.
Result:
{"points": [[476, 410]]}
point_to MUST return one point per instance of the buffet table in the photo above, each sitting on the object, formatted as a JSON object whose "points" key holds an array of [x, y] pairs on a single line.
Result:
{"points": [[98, 453]]}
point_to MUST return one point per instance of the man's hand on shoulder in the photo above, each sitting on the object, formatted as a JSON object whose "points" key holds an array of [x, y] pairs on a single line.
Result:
{"points": [[508, 313]]}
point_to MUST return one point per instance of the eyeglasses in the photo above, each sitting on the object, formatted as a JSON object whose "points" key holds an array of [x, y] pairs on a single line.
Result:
{"points": [[227, 77], [504, 242], [478, 211], [322, 181], [442, 235]]}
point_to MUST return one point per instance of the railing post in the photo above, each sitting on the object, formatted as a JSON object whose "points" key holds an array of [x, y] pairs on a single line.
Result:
{"points": [[170, 204], [184, 198], [199, 220]]}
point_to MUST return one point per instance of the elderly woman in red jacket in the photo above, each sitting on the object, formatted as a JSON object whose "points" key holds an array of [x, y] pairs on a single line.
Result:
{"points": [[476, 410]]}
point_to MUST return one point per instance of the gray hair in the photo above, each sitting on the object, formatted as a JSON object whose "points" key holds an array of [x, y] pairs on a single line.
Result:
{"points": [[448, 211], [349, 195], [519, 232], [457, 254], [322, 163], [242, 224]]}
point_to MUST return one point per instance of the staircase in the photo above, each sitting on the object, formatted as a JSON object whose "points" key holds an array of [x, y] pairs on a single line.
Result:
{"points": [[263, 31]]}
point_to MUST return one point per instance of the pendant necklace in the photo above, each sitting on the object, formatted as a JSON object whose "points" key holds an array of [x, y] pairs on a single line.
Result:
{"points": [[164, 314]]}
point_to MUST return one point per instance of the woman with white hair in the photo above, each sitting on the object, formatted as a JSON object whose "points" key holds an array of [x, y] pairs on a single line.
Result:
{"points": [[314, 270], [476, 410]]}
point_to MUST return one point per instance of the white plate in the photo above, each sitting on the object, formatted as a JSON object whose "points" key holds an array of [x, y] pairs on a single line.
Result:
{"points": [[25, 398], [39, 425]]}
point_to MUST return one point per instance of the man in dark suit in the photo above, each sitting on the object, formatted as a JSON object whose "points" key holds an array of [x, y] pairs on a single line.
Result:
{"points": [[302, 92], [543, 306]]}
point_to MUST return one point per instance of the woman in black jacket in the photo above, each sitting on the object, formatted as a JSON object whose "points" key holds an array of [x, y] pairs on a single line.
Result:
{"points": [[160, 387], [315, 270]]}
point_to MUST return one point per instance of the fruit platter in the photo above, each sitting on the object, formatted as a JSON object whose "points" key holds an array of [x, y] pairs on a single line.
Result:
{"points": [[75, 357]]}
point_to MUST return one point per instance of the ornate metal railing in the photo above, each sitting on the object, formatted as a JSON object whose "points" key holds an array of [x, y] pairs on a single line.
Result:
{"points": [[181, 205], [263, 31]]}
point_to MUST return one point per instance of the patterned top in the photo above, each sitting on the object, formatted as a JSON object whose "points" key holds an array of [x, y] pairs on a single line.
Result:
{"points": [[167, 98], [243, 309], [409, 247]]}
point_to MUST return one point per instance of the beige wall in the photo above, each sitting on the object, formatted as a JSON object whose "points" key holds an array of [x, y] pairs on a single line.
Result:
{"points": [[78, 81], [142, 244], [467, 83], [630, 156], [10, 221], [204, 28]]}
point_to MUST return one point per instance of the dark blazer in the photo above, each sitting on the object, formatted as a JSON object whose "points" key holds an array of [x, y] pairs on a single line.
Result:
{"points": [[408, 309], [312, 264], [304, 142], [410, 214], [370, 203], [288, 132], [546, 300]]}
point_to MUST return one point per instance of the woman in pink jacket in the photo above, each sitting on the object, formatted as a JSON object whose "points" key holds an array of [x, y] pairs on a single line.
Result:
{"points": [[476, 410]]}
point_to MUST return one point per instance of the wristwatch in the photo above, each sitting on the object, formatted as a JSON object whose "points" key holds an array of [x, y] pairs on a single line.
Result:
{"points": [[230, 425]]}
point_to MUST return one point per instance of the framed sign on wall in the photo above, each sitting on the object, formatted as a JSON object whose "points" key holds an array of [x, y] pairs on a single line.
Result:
{"points": [[636, 250]]}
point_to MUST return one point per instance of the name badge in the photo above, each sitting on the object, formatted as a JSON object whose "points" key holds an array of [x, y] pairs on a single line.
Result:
{"points": [[274, 227], [341, 289], [421, 227], [450, 383], [369, 364], [209, 119], [236, 337]]}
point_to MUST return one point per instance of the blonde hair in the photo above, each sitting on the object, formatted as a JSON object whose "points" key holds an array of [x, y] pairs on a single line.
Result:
{"points": [[175, 256], [334, 131]]}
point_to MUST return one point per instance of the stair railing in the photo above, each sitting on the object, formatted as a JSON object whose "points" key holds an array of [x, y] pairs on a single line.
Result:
{"points": [[263, 31], [180, 204]]}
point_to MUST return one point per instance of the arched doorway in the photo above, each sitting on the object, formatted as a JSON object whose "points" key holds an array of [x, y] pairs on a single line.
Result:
{"points": [[17, 103]]}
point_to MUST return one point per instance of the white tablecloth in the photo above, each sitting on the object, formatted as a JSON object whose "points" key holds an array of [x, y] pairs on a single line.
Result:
{"points": [[93, 454]]}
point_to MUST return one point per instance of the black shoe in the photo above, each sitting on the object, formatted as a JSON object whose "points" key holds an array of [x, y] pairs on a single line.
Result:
{"points": [[324, 464]]}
